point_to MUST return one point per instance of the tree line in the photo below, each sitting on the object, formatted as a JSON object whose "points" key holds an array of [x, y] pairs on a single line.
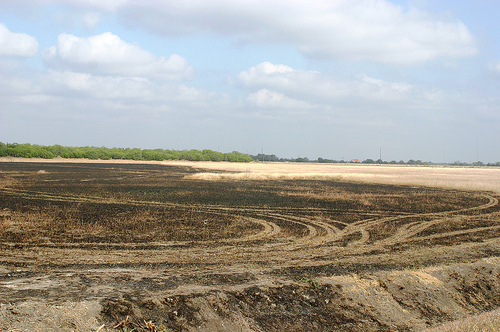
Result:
{"points": [[274, 158], [92, 152]]}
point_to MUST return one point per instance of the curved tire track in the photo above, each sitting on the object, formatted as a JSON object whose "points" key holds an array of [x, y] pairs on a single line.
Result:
{"points": [[318, 232]]}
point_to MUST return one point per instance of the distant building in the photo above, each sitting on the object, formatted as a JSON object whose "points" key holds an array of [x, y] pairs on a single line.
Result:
{"points": [[355, 161]]}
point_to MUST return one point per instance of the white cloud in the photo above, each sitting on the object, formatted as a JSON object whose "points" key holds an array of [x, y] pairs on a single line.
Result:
{"points": [[90, 19], [361, 30], [103, 87], [192, 94], [495, 68], [137, 91], [382, 88], [267, 73], [314, 86], [365, 30], [265, 98], [77, 18], [109, 54], [380, 31], [104, 5], [107, 5], [16, 44]]}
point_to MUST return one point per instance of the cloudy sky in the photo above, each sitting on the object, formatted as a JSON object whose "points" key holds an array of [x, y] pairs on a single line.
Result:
{"points": [[339, 79]]}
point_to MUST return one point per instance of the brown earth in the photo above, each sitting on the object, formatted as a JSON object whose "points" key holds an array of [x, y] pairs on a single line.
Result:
{"points": [[110, 247]]}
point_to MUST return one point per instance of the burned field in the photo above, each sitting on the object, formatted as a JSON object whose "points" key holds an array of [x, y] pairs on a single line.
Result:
{"points": [[150, 242]]}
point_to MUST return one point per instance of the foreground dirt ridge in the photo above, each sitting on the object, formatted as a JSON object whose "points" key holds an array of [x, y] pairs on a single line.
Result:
{"points": [[410, 300], [398, 301]]}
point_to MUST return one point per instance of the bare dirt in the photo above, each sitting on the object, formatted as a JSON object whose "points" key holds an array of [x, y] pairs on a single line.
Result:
{"points": [[111, 247]]}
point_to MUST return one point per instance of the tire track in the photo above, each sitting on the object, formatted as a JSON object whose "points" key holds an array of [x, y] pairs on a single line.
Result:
{"points": [[411, 229], [406, 233]]}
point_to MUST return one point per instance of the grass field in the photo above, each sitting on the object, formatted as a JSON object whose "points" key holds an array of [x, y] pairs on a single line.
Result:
{"points": [[222, 246], [466, 178], [486, 322]]}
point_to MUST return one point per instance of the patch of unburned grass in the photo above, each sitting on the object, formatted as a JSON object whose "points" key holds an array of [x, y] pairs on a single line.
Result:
{"points": [[486, 322], [465, 178]]}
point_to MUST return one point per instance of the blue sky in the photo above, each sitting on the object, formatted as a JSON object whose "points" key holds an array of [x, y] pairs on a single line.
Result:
{"points": [[337, 79]]}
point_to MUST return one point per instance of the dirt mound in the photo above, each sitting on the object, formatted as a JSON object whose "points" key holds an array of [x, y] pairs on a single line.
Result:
{"points": [[400, 300], [397, 301]]}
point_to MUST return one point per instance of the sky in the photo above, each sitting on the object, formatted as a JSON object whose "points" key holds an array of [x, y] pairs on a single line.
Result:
{"points": [[336, 79]]}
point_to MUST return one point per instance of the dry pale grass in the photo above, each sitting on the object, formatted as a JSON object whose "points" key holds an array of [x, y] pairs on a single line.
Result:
{"points": [[45, 226], [486, 322], [466, 178]]}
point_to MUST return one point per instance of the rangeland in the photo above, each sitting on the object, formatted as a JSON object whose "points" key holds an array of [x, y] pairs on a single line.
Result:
{"points": [[180, 246]]}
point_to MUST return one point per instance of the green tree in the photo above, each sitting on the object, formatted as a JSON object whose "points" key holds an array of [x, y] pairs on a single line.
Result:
{"points": [[236, 156]]}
